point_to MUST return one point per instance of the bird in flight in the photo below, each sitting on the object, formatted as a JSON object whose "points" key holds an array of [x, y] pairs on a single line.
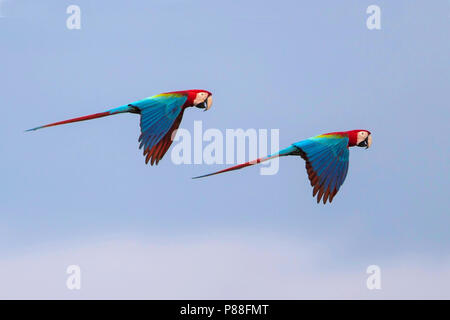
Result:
{"points": [[326, 158], [161, 115]]}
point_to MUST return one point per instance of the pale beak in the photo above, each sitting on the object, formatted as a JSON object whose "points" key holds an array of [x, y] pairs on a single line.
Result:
{"points": [[208, 103], [369, 141]]}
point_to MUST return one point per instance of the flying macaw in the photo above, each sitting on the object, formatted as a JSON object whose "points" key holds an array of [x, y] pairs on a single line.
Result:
{"points": [[160, 117], [326, 158]]}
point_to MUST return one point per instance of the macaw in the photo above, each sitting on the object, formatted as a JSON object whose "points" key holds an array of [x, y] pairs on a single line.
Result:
{"points": [[161, 115], [326, 158]]}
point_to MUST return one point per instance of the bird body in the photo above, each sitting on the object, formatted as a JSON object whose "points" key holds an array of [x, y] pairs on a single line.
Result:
{"points": [[326, 159], [161, 115]]}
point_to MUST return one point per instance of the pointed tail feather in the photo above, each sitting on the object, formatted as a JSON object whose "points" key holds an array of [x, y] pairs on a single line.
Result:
{"points": [[89, 117], [284, 152]]}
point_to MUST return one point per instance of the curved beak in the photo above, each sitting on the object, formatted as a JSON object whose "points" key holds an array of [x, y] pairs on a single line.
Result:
{"points": [[369, 141], [205, 104], [208, 103]]}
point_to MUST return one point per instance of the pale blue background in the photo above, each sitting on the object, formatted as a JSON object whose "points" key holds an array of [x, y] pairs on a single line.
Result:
{"points": [[304, 67]]}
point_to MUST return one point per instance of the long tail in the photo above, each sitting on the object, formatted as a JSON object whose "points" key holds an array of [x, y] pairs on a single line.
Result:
{"points": [[285, 152], [89, 117]]}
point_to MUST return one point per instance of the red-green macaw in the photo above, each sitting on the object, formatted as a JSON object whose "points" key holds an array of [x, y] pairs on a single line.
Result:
{"points": [[160, 117], [326, 158]]}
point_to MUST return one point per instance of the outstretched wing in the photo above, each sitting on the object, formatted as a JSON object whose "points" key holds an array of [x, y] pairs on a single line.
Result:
{"points": [[326, 159], [160, 116], [158, 151]]}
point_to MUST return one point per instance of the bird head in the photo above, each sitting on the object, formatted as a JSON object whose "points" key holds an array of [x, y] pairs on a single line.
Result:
{"points": [[199, 98], [360, 138]]}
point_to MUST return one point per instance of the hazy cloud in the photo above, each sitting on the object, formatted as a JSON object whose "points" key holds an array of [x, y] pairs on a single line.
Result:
{"points": [[252, 268]]}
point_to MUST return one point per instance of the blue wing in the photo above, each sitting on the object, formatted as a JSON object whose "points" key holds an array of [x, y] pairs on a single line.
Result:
{"points": [[160, 116], [326, 159]]}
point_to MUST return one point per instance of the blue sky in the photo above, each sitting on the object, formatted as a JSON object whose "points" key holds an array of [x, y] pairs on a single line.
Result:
{"points": [[82, 194]]}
